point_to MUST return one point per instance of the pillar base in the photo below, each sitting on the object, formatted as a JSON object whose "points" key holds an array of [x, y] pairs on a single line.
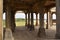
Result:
{"points": [[13, 28], [26, 25], [41, 33], [57, 36], [46, 27], [31, 27], [36, 24]]}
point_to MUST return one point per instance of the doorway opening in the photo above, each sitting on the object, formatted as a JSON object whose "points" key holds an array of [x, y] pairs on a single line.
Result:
{"points": [[4, 19], [20, 18]]}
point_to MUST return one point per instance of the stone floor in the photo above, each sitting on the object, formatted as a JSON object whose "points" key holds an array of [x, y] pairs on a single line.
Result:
{"points": [[21, 33], [8, 34]]}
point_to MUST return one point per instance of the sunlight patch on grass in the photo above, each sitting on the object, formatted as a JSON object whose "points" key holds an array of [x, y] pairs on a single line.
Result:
{"points": [[20, 23]]}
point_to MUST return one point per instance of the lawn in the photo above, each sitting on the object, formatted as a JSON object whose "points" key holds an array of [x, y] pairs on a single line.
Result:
{"points": [[4, 23], [19, 22]]}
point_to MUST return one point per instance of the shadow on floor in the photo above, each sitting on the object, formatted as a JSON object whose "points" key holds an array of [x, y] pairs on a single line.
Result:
{"points": [[21, 33]]}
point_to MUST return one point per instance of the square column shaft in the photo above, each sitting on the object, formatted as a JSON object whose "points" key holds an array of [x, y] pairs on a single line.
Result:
{"points": [[32, 23], [10, 22], [41, 20], [36, 19], [13, 21], [28, 18], [41, 32], [25, 19], [8, 18], [49, 19]]}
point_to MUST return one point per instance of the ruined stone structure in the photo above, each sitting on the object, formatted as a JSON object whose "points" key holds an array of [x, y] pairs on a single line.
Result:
{"points": [[30, 7]]}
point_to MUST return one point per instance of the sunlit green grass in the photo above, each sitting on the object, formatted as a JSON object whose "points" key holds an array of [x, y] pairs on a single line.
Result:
{"points": [[22, 22], [19, 22], [3, 24]]}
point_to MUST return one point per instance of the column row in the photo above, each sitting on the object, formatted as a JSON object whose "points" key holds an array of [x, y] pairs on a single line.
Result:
{"points": [[27, 20]]}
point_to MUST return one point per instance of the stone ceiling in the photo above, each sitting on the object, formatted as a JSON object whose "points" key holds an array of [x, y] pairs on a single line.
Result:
{"points": [[27, 4]]}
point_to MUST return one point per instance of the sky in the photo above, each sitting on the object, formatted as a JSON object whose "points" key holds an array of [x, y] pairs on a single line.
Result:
{"points": [[19, 15], [22, 15]]}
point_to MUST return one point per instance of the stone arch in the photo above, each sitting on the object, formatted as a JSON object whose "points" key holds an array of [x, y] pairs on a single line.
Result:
{"points": [[22, 16], [53, 18], [4, 19]]}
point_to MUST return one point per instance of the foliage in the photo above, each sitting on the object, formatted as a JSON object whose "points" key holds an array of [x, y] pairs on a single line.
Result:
{"points": [[19, 19]]}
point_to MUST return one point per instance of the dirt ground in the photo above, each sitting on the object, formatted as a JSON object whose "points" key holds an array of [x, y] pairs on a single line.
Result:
{"points": [[21, 33]]}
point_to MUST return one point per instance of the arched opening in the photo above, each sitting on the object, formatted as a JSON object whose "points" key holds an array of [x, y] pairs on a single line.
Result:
{"points": [[53, 10], [4, 23], [54, 16], [34, 18], [45, 19], [20, 18], [54, 19]]}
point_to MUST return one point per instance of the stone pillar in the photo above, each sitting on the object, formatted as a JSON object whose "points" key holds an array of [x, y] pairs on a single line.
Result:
{"points": [[28, 26], [29, 18], [48, 19], [25, 19], [36, 19], [58, 19], [51, 19], [8, 18], [32, 19], [32, 23], [41, 32], [13, 21], [1, 12]]}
